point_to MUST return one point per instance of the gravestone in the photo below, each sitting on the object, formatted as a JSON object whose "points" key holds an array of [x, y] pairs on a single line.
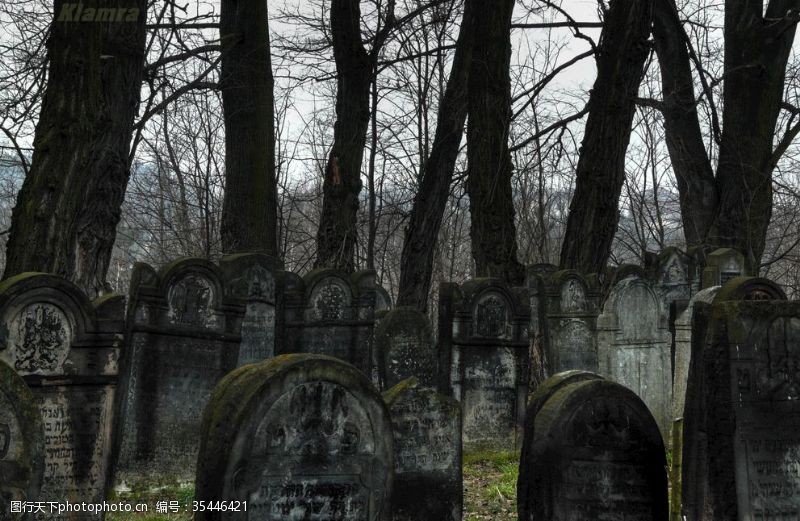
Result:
{"points": [[182, 337], [427, 453], [742, 414], [250, 278], [673, 271], [723, 265], [404, 348], [298, 437], [484, 330], [383, 301], [592, 452], [21, 444], [66, 349], [633, 342], [572, 309], [331, 313]]}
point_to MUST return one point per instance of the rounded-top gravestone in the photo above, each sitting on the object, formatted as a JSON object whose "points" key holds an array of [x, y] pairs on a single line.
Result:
{"points": [[297, 437], [596, 454], [21, 443]]}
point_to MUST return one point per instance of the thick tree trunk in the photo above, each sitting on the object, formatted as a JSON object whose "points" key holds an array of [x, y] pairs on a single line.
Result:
{"points": [[336, 237], [66, 214], [249, 210], [756, 53], [425, 220], [594, 210], [693, 171], [492, 230]]}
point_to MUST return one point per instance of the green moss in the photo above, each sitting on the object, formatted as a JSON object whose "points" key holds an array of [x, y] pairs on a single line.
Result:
{"points": [[392, 394]]}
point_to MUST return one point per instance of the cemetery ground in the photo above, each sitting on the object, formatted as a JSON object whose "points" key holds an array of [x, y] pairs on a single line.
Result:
{"points": [[490, 492]]}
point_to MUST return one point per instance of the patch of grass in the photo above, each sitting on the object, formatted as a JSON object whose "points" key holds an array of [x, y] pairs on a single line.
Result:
{"points": [[490, 485], [152, 496]]}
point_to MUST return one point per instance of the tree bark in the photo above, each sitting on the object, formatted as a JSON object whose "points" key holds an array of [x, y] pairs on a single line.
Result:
{"points": [[594, 210], [66, 214], [336, 236], [249, 210], [425, 220], [492, 230]]}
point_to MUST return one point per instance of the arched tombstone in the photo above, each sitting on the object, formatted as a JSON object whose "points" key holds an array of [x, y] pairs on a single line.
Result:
{"points": [[21, 444], [742, 414], [66, 348], [404, 348], [572, 322], [427, 442], [297, 437], [595, 453]]}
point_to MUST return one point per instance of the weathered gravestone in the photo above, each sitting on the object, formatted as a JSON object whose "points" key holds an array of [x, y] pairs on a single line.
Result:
{"points": [[674, 272], [722, 265], [572, 309], [331, 313], [66, 349], [182, 338], [298, 437], [404, 348], [21, 444], [592, 452], [741, 456], [427, 458], [633, 341], [484, 329]]}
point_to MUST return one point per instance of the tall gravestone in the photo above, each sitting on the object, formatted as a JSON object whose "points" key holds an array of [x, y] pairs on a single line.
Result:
{"points": [[742, 411], [331, 313], [592, 452], [484, 329], [298, 437], [183, 335], [21, 444], [67, 350], [427, 458], [404, 348], [634, 341], [572, 309]]}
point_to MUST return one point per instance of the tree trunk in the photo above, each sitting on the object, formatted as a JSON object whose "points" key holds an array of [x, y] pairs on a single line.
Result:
{"points": [[336, 237], [492, 230], [594, 210], [425, 220], [249, 209], [66, 214]]}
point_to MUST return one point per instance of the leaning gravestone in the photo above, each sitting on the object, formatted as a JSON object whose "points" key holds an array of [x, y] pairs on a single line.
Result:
{"points": [[427, 453], [182, 338], [595, 454], [404, 348], [331, 313], [483, 326], [21, 444], [298, 437], [742, 414], [633, 342], [66, 349]]}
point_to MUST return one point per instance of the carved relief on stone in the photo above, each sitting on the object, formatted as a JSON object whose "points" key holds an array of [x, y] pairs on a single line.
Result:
{"points": [[257, 283], [491, 317], [573, 296], [190, 301], [40, 336], [328, 301]]}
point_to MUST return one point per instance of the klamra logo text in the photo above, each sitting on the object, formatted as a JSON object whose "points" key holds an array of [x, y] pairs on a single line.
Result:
{"points": [[78, 13]]}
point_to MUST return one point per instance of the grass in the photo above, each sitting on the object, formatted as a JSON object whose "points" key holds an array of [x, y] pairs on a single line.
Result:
{"points": [[490, 492]]}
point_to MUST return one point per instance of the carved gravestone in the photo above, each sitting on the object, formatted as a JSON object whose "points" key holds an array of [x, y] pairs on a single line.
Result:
{"points": [[21, 444], [723, 265], [742, 414], [484, 329], [592, 452], [331, 313], [634, 342], [66, 349], [182, 338], [298, 437], [572, 321], [404, 348], [427, 453], [251, 279], [673, 273]]}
